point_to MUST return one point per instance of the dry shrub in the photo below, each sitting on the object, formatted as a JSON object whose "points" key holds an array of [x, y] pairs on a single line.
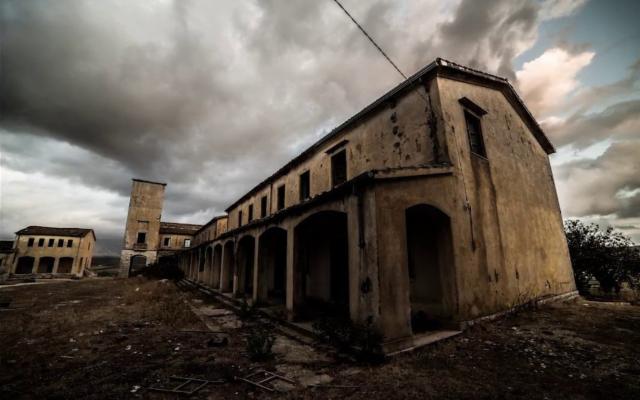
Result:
{"points": [[159, 301]]}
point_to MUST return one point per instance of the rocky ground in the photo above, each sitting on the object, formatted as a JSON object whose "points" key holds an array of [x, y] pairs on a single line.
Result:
{"points": [[104, 338]]}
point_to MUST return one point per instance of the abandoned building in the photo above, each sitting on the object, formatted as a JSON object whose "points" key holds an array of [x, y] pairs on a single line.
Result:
{"points": [[147, 240], [432, 207], [48, 252]]}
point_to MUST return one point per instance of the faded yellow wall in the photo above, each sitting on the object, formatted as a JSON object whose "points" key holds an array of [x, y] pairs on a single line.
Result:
{"points": [[176, 241], [81, 251], [376, 142]]}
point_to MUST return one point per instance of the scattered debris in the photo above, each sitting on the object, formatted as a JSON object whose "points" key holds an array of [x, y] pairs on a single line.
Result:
{"points": [[187, 385], [262, 378]]}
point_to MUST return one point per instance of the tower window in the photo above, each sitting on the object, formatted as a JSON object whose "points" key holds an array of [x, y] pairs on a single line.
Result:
{"points": [[142, 237], [305, 183], [263, 206], [339, 168], [280, 197], [474, 130]]}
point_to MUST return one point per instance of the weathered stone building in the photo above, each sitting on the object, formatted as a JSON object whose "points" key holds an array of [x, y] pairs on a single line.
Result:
{"points": [[146, 238], [47, 251], [434, 205]]}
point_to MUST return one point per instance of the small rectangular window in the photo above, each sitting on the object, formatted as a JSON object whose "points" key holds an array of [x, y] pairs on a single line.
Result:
{"points": [[240, 218], [166, 241], [51, 242], [263, 207], [70, 243], [250, 214], [280, 197], [339, 168], [41, 242], [305, 185], [474, 130], [187, 242], [30, 242], [60, 242], [142, 237]]}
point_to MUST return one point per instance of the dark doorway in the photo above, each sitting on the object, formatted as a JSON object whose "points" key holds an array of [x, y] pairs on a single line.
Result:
{"points": [[137, 263], [45, 265], [25, 265], [322, 265], [272, 258], [64, 265], [228, 262], [429, 253], [217, 266], [245, 259]]}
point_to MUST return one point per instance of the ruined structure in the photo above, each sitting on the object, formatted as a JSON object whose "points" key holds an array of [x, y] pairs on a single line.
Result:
{"points": [[433, 206], [146, 239], [46, 251]]}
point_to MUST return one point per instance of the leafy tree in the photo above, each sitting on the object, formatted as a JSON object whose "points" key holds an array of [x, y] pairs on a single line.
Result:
{"points": [[607, 255]]}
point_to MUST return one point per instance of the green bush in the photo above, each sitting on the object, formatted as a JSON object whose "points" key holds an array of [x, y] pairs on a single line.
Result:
{"points": [[362, 340], [259, 344]]}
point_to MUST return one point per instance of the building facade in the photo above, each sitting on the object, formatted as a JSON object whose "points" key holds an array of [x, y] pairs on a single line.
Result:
{"points": [[433, 206], [47, 251], [146, 238]]}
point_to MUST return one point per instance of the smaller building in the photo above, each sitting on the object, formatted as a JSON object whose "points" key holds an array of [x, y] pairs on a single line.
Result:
{"points": [[51, 251], [6, 252], [175, 236]]}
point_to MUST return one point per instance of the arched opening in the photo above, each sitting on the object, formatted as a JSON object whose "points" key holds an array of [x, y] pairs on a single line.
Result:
{"points": [[429, 256], [201, 266], [228, 262], [137, 263], [272, 259], [25, 265], [208, 265], [45, 265], [64, 265], [217, 266], [321, 270], [244, 262]]}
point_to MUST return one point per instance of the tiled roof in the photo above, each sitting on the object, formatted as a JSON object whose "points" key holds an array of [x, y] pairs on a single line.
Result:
{"points": [[49, 231], [179, 229]]}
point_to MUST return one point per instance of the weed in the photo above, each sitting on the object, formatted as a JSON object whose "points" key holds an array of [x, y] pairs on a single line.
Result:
{"points": [[259, 344]]}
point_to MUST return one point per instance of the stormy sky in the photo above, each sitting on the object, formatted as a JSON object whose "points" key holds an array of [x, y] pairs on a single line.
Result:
{"points": [[213, 96]]}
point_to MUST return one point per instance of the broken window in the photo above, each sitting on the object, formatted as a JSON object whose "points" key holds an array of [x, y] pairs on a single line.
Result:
{"points": [[250, 214], [305, 183], [51, 242], [240, 218], [339, 168], [187, 243], [41, 242], [60, 242], [166, 241], [30, 242], [474, 130], [69, 243], [142, 237], [281, 197], [263, 206]]}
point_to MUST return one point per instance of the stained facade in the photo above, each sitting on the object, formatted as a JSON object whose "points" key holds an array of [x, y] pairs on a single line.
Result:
{"points": [[48, 251], [433, 206]]}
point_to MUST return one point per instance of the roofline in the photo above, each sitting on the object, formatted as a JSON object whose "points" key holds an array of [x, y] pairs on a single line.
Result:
{"points": [[211, 221], [55, 227], [146, 181], [439, 67]]}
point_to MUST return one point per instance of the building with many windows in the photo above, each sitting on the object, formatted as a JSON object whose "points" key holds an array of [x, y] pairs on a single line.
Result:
{"points": [[46, 251], [432, 207]]}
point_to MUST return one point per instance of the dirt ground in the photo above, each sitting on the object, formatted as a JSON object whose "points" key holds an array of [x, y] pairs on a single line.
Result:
{"points": [[113, 339]]}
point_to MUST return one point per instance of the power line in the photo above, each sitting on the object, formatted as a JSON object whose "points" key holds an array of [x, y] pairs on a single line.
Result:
{"points": [[371, 39]]}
